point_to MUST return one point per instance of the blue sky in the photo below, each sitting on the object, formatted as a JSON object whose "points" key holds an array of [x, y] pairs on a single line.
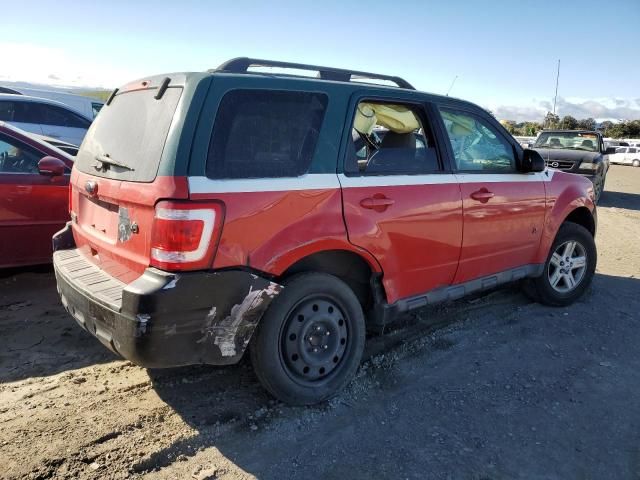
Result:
{"points": [[504, 52]]}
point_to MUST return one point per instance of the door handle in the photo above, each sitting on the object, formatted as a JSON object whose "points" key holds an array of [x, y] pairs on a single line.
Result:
{"points": [[378, 204], [483, 195]]}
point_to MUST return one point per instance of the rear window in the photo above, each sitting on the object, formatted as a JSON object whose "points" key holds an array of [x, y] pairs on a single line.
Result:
{"points": [[132, 131], [265, 134]]}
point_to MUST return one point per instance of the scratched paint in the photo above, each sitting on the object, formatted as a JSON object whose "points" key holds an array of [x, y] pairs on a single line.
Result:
{"points": [[172, 283], [242, 315]]}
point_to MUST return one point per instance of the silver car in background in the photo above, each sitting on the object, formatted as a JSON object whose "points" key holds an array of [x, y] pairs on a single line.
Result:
{"points": [[44, 117], [626, 156]]}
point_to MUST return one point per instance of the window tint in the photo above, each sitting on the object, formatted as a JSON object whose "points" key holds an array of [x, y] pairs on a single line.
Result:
{"points": [[6, 111], [28, 112], [54, 115], [621, 150], [132, 130], [17, 158], [389, 138], [265, 133], [632, 150], [477, 145]]}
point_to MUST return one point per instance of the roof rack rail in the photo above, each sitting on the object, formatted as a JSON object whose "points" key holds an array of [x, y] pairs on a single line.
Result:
{"points": [[242, 64]]}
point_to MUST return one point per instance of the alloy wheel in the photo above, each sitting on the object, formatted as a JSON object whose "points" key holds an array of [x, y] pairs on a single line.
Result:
{"points": [[567, 266]]}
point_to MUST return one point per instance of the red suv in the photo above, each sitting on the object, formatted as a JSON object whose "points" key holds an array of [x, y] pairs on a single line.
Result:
{"points": [[234, 209]]}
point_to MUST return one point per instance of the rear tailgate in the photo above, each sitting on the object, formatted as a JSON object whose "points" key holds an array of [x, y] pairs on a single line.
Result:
{"points": [[115, 182], [113, 226]]}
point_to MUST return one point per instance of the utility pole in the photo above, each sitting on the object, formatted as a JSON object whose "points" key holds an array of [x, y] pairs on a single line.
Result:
{"points": [[556, 95], [450, 87]]}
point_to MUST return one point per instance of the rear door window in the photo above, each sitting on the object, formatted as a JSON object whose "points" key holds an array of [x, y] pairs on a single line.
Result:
{"points": [[131, 131], [390, 139], [54, 115], [265, 134], [6, 111], [27, 112]]}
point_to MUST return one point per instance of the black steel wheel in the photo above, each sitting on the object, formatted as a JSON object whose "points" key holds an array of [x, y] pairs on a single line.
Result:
{"points": [[309, 342], [314, 340]]}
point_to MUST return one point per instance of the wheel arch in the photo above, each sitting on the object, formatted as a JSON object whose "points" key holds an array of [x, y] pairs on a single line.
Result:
{"points": [[582, 216], [352, 268]]}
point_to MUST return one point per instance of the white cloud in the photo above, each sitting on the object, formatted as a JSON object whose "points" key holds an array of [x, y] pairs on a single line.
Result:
{"points": [[598, 108], [23, 62]]}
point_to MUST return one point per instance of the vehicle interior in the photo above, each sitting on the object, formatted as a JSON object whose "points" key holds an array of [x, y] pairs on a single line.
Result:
{"points": [[568, 140], [390, 138], [475, 146], [17, 160]]}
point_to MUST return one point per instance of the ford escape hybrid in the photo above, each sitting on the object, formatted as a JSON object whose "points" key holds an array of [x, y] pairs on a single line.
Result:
{"points": [[218, 212]]}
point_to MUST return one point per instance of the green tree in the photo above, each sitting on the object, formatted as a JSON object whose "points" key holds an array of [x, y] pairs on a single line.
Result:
{"points": [[569, 122], [510, 126], [587, 124], [551, 120]]}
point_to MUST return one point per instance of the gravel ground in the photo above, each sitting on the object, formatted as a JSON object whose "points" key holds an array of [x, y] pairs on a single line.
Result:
{"points": [[491, 387]]}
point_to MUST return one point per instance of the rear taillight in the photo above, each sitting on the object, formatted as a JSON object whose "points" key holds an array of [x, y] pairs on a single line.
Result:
{"points": [[185, 235]]}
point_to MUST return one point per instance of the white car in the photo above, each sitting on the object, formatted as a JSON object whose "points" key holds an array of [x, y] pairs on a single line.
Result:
{"points": [[87, 106], [626, 156], [44, 117]]}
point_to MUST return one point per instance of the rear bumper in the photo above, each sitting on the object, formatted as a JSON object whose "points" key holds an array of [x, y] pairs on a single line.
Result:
{"points": [[163, 319]]}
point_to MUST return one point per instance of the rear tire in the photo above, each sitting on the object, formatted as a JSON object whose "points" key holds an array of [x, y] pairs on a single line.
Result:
{"points": [[309, 343], [564, 281], [636, 163]]}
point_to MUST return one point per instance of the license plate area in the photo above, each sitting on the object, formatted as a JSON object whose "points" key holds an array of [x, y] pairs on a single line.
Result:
{"points": [[98, 218]]}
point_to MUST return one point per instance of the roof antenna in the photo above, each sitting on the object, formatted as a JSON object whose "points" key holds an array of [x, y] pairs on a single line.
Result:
{"points": [[451, 86], [556, 96]]}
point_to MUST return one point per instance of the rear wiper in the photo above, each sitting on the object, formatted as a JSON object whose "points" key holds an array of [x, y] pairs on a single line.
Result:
{"points": [[105, 159]]}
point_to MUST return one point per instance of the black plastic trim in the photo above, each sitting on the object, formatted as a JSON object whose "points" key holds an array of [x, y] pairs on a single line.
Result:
{"points": [[384, 313]]}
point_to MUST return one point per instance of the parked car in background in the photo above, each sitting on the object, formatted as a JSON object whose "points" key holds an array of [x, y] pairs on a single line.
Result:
{"points": [[34, 196], [626, 156], [87, 106], [576, 151], [44, 117], [615, 143], [283, 215]]}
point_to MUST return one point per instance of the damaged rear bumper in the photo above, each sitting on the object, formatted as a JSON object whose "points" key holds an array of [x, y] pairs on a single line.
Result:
{"points": [[164, 319]]}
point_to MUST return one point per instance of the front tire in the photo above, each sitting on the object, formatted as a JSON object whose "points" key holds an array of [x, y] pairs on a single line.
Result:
{"points": [[636, 163], [569, 268], [598, 187], [309, 343]]}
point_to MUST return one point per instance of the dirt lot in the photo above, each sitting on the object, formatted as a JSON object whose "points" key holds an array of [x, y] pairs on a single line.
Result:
{"points": [[491, 387]]}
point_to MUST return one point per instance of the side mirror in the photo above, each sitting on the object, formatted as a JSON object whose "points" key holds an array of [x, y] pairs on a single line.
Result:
{"points": [[532, 161], [51, 166], [610, 150]]}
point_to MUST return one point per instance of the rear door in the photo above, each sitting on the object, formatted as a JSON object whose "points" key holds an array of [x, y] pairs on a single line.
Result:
{"points": [[32, 206], [401, 203], [503, 209]]}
